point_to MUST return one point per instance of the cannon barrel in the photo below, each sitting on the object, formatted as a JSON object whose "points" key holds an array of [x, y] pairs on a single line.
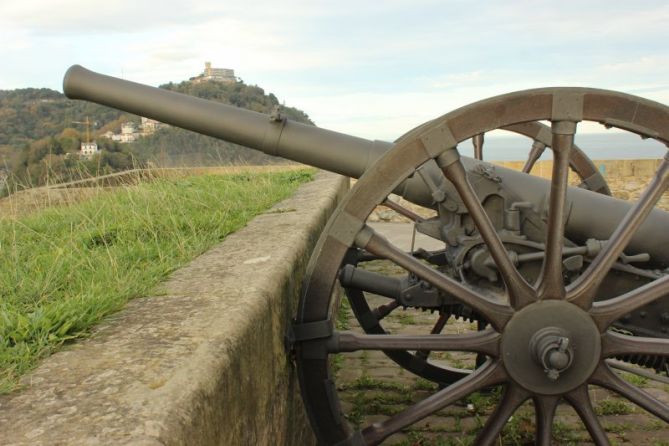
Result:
{"points": [[307, 144], [347, 155]]}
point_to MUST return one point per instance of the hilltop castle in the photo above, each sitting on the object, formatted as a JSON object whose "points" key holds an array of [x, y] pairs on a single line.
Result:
{"points": [[215, 74]]}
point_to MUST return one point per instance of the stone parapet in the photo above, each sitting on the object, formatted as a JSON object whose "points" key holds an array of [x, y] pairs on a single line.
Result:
{"points": [[201, 362]]}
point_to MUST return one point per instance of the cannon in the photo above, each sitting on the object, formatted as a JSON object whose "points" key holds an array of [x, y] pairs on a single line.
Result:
{"points": [[560, 280]]}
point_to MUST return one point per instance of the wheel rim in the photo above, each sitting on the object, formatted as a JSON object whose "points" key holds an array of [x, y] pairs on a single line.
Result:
{"points": [[591, 178], [564, 107]]}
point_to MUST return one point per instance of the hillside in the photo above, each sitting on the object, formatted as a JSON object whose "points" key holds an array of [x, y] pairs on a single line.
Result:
{"points": [[30, 114], [176, 147], [40, 136]]}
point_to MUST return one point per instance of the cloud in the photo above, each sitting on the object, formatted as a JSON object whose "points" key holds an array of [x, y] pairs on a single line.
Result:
{"points": [[95, 17], [359, 67], [457, 79], [571, 20]]}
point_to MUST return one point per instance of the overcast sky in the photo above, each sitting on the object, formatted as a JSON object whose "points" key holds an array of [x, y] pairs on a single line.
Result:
{"points": [[373, 69]]}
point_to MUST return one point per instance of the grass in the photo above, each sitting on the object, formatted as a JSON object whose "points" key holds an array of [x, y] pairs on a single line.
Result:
{"points": [[366, 382], [63, 269], [484, 402], [405, 318], [421, 439], [343, 315], [611, 406], [637, 380]]}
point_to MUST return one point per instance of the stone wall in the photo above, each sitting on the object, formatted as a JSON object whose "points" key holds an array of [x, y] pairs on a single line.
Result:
{"points": [[642, 168], [201, 362], [626, 178]]}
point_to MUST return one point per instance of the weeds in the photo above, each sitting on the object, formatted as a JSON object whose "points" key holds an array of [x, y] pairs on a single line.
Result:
{"points": [[637, 380], [343, 315], [404, 318], [613, 407], [63, 269]]}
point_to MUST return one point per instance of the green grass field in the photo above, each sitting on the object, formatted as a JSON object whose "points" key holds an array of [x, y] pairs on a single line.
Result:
{"points": [[63, 269]]}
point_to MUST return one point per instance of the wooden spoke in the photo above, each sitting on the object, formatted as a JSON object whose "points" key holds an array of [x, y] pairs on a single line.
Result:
{"points": [[544, 408], [486, 342], [583, 290], [477, 141], [551, 285], [490, 374], [607, 312], [402, 210], [498, 314], [438, 326], [616, 344], [382, 311], [513, 397], [536, 151], [605, 377], [520, 292], [580, 401]]}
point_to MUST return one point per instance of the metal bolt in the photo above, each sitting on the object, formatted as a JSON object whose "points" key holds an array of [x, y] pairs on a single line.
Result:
{"points": [[559, 359], [438, 196], [552, 374], [551, 350]]}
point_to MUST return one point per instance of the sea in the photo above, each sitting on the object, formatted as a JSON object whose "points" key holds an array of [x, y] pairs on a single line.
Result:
{"points": [[598, 146]]}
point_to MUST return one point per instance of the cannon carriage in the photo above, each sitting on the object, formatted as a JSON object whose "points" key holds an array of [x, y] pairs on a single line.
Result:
{"points": [[559, 279]]}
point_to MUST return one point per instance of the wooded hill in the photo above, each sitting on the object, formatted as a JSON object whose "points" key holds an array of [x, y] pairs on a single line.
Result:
{"points": [[39, 139], [177, 147]]}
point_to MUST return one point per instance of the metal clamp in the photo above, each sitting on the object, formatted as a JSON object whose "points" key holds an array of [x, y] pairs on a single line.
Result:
{"points": [[312, 336], [273, 131]]}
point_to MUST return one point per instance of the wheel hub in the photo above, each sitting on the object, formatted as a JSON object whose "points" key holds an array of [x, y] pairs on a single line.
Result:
{"points": [[551, 347]]}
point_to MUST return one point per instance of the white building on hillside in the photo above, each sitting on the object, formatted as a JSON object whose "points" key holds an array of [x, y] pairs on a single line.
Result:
{"points": [[88, 149], [128, 133], [149, 126]]}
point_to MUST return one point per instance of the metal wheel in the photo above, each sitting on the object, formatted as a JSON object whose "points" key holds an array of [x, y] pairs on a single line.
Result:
{"points": [[371, 318], [548, 340]]}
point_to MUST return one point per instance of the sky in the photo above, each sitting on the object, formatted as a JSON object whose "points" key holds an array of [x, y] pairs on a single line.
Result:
{"points": [[371, 69]]}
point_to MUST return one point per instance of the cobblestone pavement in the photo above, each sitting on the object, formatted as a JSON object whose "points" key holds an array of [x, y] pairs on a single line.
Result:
{"points": [[372, 387]]}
